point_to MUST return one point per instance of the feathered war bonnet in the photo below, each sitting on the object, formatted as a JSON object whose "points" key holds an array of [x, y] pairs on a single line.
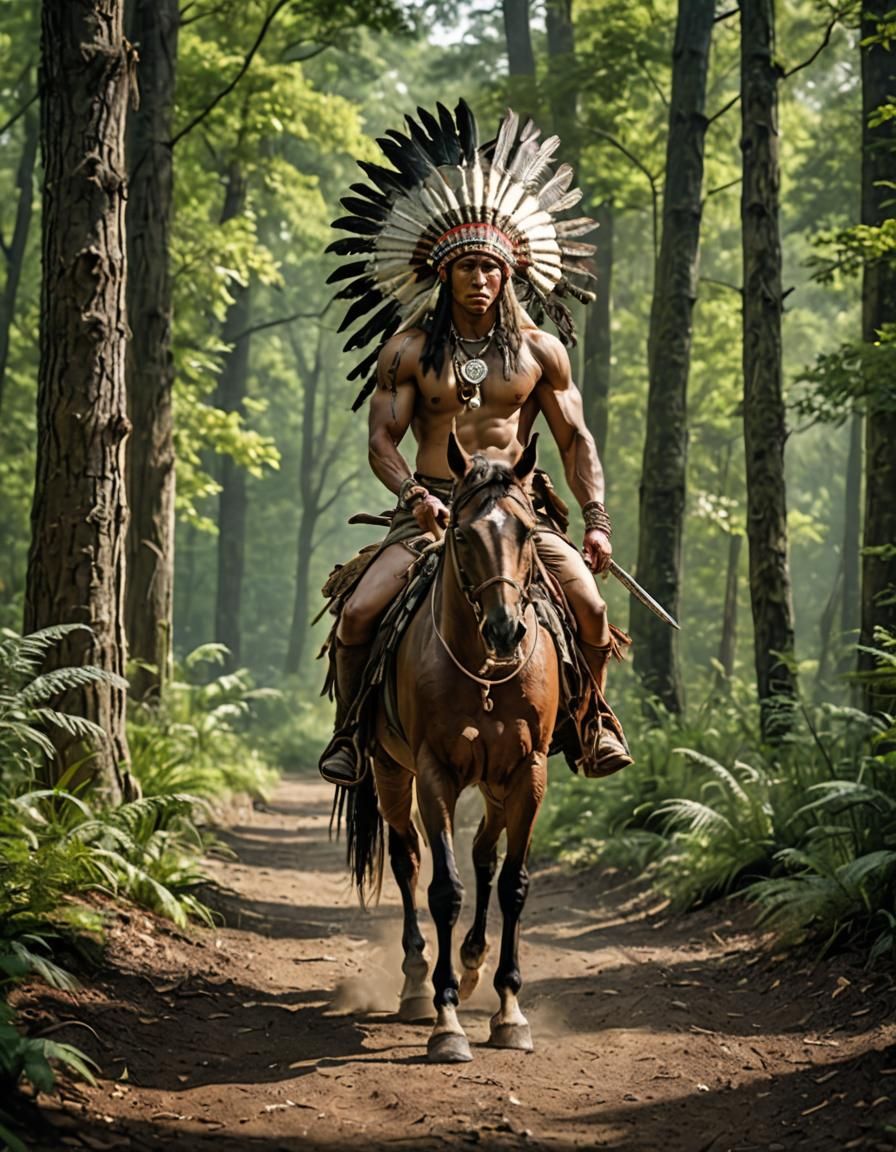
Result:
{"points": [[446, 195]]}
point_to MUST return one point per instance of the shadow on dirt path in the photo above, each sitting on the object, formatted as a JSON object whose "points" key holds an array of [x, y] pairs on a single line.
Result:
{"points": [[278, 1029]]}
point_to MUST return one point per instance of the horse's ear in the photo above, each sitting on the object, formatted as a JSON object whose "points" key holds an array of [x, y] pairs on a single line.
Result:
{"points": [[458, 461], [526, 462]]}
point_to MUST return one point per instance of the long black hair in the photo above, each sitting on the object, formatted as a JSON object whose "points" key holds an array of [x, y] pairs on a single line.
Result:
{"points": [[437, 326]]}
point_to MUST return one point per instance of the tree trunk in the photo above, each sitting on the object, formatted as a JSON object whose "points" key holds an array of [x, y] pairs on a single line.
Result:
{"points": [[230, 397], [662, 492], [878, 308], [76, 566], [598, 335], [562, 75], [764, 427], [850, 616], [309, 499], [153, 28], [521, 62], [728, 641], [15, 251]]}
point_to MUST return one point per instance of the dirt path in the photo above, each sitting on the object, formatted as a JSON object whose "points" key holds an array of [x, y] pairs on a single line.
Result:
{"points": [[278, 1031]]}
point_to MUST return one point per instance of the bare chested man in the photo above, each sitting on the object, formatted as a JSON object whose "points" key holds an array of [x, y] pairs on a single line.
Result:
{"points": [[418, 378]]}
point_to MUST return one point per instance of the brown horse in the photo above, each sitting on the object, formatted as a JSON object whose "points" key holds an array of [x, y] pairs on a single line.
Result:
{"points": [[477, 689]]}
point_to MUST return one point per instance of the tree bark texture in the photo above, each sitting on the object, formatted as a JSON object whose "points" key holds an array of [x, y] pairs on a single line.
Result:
{"points": [[76, 565], [850, 616], [230, 396], [764, 424], [728, 641], [15, 250], [153, 28], [663, 477], [521, 61], [564, 95], [309, 499], [878, 308], [598, 334]]}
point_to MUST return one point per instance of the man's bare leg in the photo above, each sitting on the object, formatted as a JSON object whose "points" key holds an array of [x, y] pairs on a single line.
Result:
{"points": [[358, 620], [596, 644]]}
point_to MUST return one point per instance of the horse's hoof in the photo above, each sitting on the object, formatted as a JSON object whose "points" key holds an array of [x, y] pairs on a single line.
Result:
{"points": [[517, 1036], [448, 1048], [417, 1010], [469, 982]]}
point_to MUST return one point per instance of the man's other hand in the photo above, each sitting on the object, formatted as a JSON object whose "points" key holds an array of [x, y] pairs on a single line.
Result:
{"points": [[430, 507], [598, 550]]}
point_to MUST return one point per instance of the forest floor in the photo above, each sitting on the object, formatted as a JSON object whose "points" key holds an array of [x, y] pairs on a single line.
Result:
{"points": [[277, 1031]]}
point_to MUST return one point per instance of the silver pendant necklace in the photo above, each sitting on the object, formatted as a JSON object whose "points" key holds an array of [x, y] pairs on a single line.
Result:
{"points": [[473, 370]]}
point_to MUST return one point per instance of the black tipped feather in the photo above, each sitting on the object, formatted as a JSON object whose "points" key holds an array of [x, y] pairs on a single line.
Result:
{"points": [[377, 324], [364, 208], [360, 308], [364, 393], [388, 182], [347, 271], [364, 366], [351, 245], [356, 288], [357, 224], [469, 133], [371, 194]]}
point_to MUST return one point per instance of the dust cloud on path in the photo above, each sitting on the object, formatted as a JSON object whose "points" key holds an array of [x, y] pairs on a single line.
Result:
{"points": [[278, 1031]]}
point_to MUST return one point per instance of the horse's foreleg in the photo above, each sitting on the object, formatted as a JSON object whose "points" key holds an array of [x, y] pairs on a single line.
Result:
{"points": [[395, 793], [404, 855], [485, 862], [437, 797], [509, 1027]]}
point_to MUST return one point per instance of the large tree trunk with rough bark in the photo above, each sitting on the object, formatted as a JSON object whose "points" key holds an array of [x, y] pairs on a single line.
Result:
{"points": [[728, 639], [765, 432], [592, 365], [662, 492], [878, 308], [596, 362], [153, 28], [521, 61], [14, 251], [76, 566], [308, 516], [231, 396]]}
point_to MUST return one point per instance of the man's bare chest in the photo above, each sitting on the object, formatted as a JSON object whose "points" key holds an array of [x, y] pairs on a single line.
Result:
{"points": [[502, 391]]}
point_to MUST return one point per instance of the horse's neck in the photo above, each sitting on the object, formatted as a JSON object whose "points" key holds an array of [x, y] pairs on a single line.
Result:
{"points": [[455, 617]]}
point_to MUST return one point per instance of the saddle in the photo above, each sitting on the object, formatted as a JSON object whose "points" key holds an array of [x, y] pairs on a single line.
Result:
{"points": [[583, 710]]}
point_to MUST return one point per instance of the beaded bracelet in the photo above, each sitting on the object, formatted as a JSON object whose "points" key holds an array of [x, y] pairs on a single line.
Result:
{"points": [[596, 516]]}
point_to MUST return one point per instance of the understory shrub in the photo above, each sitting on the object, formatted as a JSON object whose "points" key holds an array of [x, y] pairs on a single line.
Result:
{"points": [[807, 829], [60, 846]]}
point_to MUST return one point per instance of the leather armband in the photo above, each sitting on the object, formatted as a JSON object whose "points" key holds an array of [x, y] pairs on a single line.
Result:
{"points": [[411, 492], [596, 517]]}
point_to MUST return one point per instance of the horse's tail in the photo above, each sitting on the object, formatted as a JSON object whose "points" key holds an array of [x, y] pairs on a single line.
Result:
{"points": [[364, 836]]}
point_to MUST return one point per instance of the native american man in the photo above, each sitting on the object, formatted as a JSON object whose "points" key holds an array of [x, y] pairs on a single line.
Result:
{"points": [[476, 363]]}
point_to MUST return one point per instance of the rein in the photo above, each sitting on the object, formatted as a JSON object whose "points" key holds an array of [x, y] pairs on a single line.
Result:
{"points": [[471, 596], [485, 686]]}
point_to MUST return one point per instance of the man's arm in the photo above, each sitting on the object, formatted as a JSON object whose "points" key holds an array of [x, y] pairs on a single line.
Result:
{"points": [[561, 402], [391, 410]]}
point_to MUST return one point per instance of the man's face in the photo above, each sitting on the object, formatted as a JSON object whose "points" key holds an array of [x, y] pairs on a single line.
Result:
{"points": [[476, 281]]}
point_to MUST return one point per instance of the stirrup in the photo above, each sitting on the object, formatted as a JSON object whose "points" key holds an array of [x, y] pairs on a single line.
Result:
{"points": [[608, 754], [342, 763]]}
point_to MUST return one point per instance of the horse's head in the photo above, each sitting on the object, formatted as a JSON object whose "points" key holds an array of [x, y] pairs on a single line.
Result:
{"points": [[490, 543]]}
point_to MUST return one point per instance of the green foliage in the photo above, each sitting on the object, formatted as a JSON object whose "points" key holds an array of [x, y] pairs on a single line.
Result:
{"points": [[60, 848], [806, 830], [199, 739]]}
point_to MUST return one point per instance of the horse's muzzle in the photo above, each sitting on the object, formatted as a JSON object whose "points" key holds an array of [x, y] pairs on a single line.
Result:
{"points": [[503, 631]]}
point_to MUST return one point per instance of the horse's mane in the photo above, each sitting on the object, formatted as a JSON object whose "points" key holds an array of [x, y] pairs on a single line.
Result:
{"points": [[487, 481]]}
